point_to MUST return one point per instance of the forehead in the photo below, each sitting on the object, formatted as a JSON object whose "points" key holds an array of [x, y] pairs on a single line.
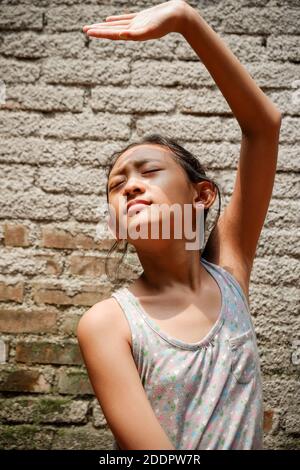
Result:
{"points": [[139, 153]]}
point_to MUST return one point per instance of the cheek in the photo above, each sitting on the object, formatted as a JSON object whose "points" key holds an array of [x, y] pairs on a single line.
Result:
{"points": [[175, 192]]}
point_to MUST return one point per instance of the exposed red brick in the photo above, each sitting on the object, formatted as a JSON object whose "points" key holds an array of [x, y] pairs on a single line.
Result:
{"points": [[15, 235], [86, 265], [22, 321], [52, 264], [13, 292], [59, 238], [74, 382], [23, 381], [59, 297], [268, 420], [48, 353]]}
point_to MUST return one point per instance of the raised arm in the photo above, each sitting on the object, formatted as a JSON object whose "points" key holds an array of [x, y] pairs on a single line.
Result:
{"points": [[233, 243]]}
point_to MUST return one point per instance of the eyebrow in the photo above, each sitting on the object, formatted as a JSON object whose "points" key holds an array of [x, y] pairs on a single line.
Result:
{"points": [[137, 164]]}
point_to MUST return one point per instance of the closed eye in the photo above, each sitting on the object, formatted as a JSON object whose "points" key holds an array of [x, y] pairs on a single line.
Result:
{"points": [[144, 172], [149, 171]]}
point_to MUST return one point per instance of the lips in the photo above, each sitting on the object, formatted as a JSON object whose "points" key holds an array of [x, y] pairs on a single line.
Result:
{"points": [[137, 202]]}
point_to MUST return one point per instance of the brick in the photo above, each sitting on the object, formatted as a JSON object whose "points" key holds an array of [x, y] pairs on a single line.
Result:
{"points": [[30, 45], [13, 261], [16, 235], [20, 320], [268, 420], [13, 71], [292, 424], [246, 48], [37, 151], [12, 292], [14, 178], [75, 16], [63, 239], [96, 153], [273, 363], [24, 380], [86, 265], [278, 242], [69, 324], [88, 296], [99, 419], [191, 127], [285, 47], [48, 352], [169, 74], [23, 17], [74, 382], [129, 99], [281, 214], [52, 409], [261, 20], [164, 48], [288, 101], [88, 208], [276, 271], [83, 72], [210, 102], [163, 73], [16, 123], [44, 98], [271, 302], [24, 437], [226, 180], [84, 438], [35, 204], [74, 180], [48, 264], [289, 130], [86, 125]]}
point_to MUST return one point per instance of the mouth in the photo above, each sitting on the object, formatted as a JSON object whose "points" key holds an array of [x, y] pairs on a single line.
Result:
{"points": [[137, 207]]}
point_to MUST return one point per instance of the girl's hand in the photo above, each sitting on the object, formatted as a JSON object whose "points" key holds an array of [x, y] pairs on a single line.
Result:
{"points": [[152, 23]]}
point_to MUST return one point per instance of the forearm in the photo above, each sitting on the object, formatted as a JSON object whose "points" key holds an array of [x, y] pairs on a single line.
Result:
{"points": [[254, 111]]}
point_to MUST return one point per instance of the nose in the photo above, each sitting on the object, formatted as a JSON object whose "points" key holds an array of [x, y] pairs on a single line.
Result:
{"points": [[133, 185]]}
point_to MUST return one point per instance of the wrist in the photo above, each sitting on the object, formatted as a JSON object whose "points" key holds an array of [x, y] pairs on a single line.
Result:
{"points": [[185, 15]]}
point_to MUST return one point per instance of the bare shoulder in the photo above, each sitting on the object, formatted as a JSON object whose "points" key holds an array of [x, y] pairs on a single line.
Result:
{"points": [[105, 315]]}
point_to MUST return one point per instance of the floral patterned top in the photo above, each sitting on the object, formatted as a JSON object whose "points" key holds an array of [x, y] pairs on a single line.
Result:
{"points": [[208, 394]]}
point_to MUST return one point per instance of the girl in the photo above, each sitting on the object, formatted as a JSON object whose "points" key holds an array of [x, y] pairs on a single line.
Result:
{"points": [[173, 359]]}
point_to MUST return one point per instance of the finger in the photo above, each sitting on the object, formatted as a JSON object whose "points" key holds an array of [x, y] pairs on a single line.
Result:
{"points": [[108, 33], [125, 16], [105, 25]]}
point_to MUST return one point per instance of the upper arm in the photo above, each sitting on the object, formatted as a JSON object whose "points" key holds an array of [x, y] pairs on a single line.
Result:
{"points": [[233, 243], [116, 382]]}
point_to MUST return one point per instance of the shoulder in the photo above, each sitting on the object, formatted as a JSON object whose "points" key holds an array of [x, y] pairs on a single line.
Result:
{"points": [[105, 317]]}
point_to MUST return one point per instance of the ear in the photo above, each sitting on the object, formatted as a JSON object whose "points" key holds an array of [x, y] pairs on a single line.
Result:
{"points": [[205, 193]]}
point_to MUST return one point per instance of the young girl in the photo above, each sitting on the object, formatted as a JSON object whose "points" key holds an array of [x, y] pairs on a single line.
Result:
{"points": [[173, 359]]}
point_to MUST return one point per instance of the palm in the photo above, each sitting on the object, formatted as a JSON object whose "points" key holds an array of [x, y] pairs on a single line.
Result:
{"points": [[152, 23]]}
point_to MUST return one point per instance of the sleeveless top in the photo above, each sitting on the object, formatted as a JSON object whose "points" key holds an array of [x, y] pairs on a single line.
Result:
{"points": [[208, 394]]}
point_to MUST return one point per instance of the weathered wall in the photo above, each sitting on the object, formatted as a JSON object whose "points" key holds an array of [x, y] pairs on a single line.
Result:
{"points": [[70, 102]]}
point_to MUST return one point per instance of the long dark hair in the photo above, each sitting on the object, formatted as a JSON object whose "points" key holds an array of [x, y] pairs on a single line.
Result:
{"points": [[193, 168]]}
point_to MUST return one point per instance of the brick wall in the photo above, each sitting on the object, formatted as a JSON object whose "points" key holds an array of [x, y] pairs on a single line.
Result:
{"points": [[69, 103]]}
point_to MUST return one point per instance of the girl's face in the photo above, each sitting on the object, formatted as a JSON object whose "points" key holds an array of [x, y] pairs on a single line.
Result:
{"points": [[147, 172]]}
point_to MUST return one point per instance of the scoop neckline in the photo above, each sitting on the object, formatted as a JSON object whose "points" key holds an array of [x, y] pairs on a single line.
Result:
{"points": [[203, 343]]}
